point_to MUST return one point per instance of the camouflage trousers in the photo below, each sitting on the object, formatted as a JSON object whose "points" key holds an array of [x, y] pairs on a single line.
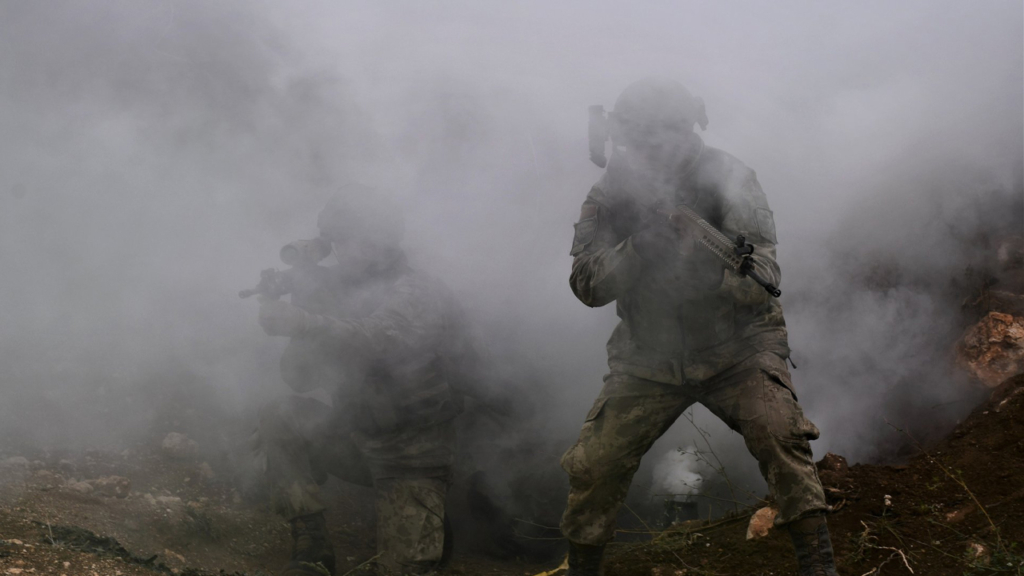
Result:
{"points": [[301, 442], [631, 413]]}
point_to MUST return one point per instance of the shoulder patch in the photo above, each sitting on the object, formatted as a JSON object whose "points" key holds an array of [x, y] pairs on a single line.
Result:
{"points": [[766, 224]]}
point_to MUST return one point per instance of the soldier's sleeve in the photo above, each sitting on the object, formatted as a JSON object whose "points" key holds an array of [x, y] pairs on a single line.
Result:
{"points": [[746, 213], [604, 264], [407, 322]]}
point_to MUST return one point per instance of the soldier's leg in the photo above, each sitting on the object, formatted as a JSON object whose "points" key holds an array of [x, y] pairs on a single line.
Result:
{"points": [[298, 442], [284, 445], [628, 416], [774, 428], [761, 408], [410, 524], [412, 471]]}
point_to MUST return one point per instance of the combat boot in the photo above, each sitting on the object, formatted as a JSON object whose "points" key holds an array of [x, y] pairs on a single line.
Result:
{"points": [[312, 554], [813, 547], [584, 560]]}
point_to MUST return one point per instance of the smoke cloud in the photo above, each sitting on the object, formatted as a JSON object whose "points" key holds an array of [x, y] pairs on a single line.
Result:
{"points": [[155, 156], [678, 473]]}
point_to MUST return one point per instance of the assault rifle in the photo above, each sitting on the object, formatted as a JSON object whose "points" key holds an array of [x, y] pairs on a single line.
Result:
{"points": [[306, 280], [737, 255]]}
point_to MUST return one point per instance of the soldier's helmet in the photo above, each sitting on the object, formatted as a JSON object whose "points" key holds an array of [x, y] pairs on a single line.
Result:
{"points": [[658, 102], [362, 214]]}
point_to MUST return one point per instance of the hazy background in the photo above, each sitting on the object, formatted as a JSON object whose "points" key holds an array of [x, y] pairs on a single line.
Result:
{"points": [[155, 156]]}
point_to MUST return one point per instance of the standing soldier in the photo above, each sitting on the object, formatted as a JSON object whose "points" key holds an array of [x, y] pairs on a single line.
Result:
{"points": [[388, 350], [691, 330]]}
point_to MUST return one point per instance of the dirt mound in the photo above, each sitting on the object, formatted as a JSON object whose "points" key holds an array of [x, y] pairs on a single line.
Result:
{"points": [[955, 509]]}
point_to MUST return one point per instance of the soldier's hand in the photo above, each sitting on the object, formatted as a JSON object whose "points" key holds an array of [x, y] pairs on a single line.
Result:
{"points": [[279, 318]]}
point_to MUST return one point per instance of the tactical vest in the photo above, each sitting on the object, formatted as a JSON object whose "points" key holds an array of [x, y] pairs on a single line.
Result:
{"points": [[671, 331]]}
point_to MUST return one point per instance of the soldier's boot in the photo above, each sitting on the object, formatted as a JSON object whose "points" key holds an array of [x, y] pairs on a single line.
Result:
{"points": [[813, 546], [584, 560], [312, 553]]}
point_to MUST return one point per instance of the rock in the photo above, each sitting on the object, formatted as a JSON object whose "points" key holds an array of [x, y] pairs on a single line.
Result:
{"points": [[959, 515], [171, 554], [47, 479], [833, 463], [1002, 404], [179, 445], [15, 462], [761, 522], [992, 350], [67, 467], [978, 551], [206, 472], [112, 486], [80, 487], [167, 500]]}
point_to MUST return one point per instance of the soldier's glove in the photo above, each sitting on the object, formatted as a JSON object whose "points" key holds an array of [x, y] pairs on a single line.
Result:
{"points": [[746, 266], [658, 242], [279, 318]]}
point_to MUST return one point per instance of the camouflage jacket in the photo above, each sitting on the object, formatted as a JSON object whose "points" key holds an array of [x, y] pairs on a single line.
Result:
{"points": [[392, 353], [677, 327]]}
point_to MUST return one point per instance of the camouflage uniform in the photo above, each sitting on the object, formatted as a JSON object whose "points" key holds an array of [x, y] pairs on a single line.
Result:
{"points": [[386, 355], [690, 331]]}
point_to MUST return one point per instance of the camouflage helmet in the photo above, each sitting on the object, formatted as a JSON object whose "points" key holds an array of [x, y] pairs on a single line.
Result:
{"points": [[658, 101], [361, 213]]}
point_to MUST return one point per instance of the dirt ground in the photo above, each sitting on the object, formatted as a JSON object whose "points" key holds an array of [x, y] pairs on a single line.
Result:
{"points": [[957, 508], [177, 518]]}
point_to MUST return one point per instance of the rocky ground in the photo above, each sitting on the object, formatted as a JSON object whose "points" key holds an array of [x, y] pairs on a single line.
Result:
{"points": [[957, 508], [154, 511]]}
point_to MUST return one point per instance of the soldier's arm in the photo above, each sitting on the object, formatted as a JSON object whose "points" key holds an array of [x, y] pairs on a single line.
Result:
{"points": [[604, 265], [405, 323], [746, 213]]}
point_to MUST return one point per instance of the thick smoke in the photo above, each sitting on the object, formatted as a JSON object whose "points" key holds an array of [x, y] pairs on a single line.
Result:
{"points": [[678, 473], [155, 156]]}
